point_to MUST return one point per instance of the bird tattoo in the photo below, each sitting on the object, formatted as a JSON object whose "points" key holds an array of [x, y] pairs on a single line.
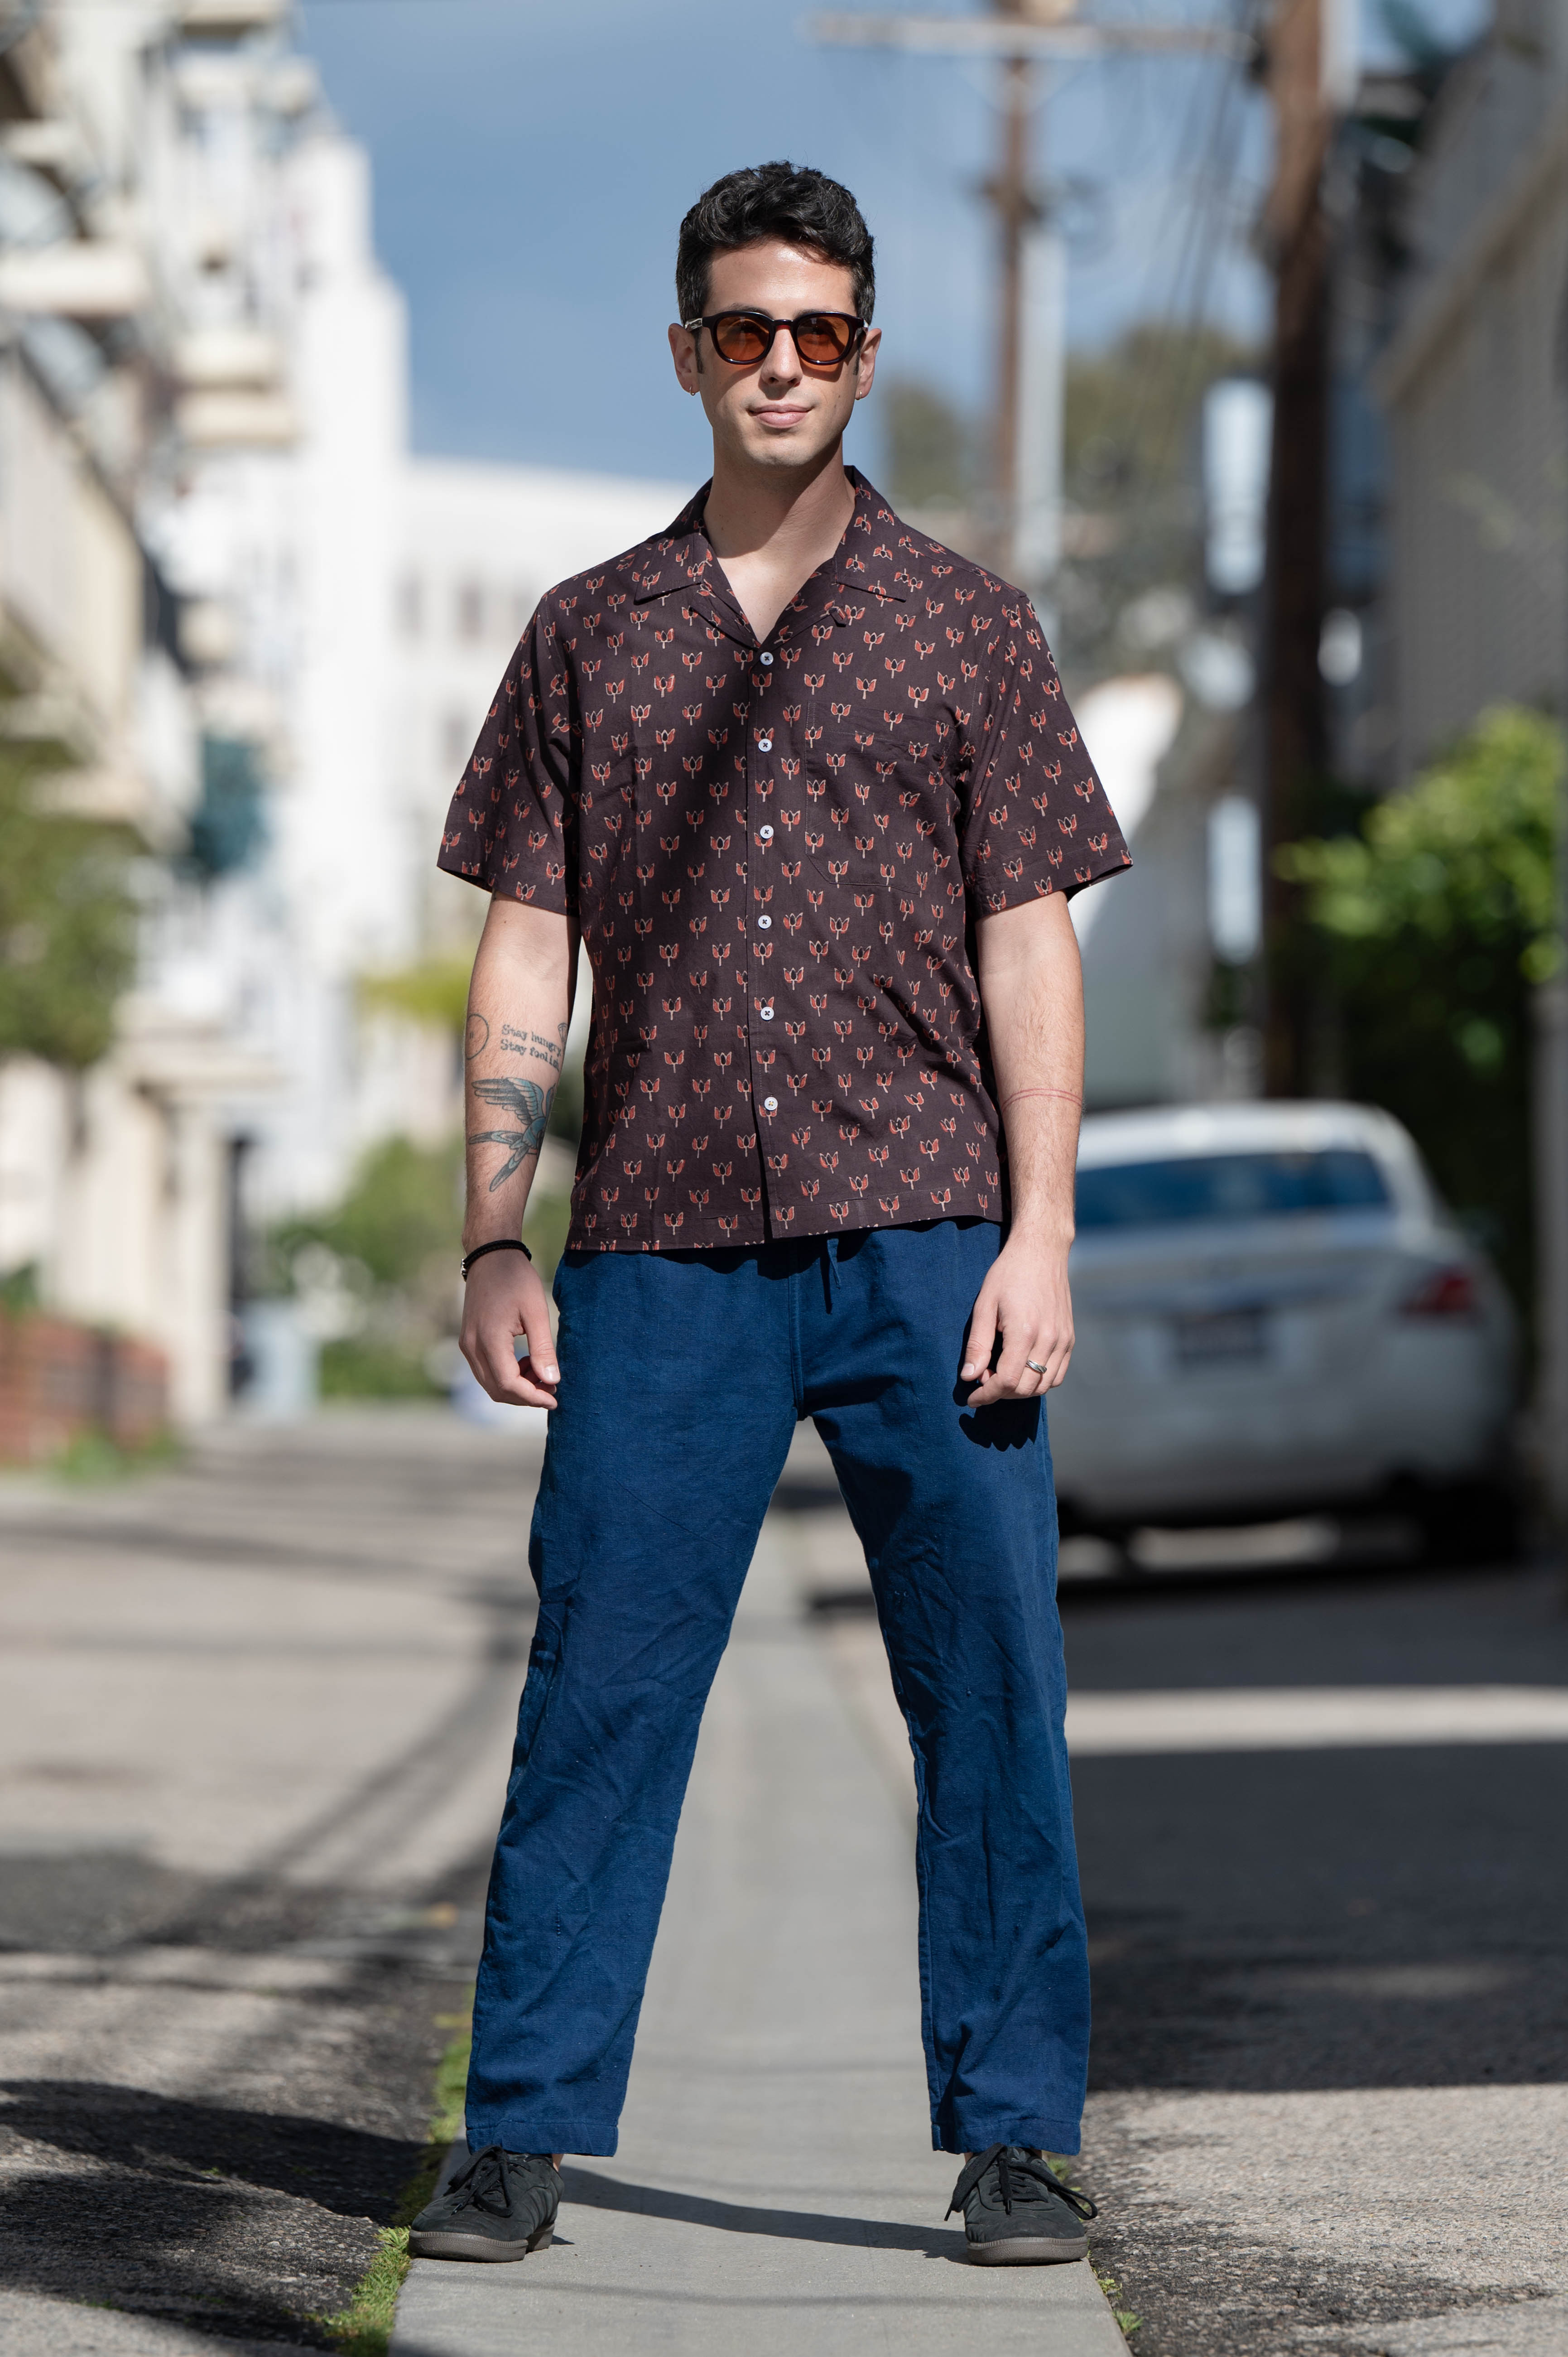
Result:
{"points": [[529, 1106]]}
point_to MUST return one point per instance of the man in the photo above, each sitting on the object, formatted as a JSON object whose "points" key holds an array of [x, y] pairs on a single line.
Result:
{"points": [[805, 785]]}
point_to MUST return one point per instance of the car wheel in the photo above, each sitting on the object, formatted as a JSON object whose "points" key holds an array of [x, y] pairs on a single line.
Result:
{"points": [[1476, 1522]]}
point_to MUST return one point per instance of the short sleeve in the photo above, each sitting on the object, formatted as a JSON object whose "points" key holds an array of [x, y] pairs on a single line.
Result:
{"points": [[1036, 818], [510, 827]]}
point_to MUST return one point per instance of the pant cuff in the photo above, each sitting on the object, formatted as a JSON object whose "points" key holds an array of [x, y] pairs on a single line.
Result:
{"points": [[590, 2140], [1041, 2134]]}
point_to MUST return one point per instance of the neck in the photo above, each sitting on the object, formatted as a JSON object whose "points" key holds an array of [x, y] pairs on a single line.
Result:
{"points": [[751, 513]]}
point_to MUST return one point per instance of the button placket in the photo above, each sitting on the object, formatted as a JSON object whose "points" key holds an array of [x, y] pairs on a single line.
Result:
{"points": [[759, 996]]}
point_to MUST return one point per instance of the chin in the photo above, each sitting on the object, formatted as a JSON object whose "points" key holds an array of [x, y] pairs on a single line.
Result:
{"points": [[796, 447]]}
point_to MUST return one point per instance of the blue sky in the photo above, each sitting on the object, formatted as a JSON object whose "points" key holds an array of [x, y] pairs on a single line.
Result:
{"points": [[533, 163]]}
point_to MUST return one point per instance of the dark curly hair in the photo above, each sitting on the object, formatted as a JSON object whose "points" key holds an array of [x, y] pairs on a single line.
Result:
{"points": [[773, 200]]}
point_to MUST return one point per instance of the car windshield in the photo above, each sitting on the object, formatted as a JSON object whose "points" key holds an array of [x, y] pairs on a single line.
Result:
{"points": [[1229, 1187]]}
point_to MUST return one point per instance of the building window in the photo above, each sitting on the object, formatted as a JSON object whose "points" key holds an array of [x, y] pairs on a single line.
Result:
{"points": [[470, 612], [227, 827]]}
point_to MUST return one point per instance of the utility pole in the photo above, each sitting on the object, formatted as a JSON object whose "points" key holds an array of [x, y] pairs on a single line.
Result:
{"points": [[1551, 1123], [1016, 207], [1552, 1211], [1305, 60], [1018, 33]]}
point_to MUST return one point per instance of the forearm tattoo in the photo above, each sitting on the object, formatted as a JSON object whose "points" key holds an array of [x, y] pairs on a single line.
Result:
{"points": [[529, 1106], [516, 1042]]}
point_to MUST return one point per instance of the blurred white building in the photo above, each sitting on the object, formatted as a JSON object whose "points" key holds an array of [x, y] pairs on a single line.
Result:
{"points": [[1473, 383], [203, 390], [113, 1183]]}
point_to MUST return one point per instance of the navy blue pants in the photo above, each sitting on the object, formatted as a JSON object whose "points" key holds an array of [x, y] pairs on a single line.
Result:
{"points": [[683, 1375]]}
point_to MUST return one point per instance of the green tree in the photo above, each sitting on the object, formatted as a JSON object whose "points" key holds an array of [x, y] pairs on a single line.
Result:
{"points": [[926, 445], [1436, 921], [436, 992], [390, 1247], [402, 1210], [68, 921]]}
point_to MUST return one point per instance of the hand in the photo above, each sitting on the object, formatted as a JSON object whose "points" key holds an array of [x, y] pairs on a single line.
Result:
{"points": [[1026, 1299], [503, 1299]]}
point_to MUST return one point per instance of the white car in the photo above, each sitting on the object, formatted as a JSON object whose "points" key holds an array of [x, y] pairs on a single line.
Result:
{"points": [[1277, 1316]]}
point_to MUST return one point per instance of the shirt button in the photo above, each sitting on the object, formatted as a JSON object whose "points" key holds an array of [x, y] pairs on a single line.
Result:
{"points": [[765, 835], [765, 660], [763, 924], [769, 1104], [768, 1015], [765, 744]]}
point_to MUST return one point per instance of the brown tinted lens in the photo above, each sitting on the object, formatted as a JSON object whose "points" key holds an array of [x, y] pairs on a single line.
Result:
{"points": [[739, 339], [820, 338]]}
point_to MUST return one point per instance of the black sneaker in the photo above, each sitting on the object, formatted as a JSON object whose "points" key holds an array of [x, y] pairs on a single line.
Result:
{"points": [[501, 2206], [1016, 2214]]}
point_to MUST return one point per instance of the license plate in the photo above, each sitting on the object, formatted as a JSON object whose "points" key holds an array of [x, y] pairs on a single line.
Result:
{"points": [[1208, 1338]]}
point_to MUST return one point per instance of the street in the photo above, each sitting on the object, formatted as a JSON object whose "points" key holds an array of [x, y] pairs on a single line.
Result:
{"points": [[255, 1726]]}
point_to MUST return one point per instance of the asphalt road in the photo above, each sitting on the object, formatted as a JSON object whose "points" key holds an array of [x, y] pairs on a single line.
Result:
{"points": [[255, 1716], [1330, 2073], [253, 1724]]}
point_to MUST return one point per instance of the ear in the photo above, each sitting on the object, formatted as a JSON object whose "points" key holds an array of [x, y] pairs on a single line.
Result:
{"points": [[866, 362], [688, 359]]}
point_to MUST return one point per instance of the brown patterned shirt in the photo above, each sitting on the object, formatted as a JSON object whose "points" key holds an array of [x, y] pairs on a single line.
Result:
{"points": [[777, 854]]}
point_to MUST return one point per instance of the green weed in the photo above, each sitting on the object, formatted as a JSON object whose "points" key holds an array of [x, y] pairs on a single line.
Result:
{"points": [[363, 2329], [1128, 2322], [92, 1456]]}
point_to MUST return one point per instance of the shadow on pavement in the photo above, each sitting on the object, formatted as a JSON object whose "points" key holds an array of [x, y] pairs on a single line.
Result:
{"points": [[594, 2191], [345, 2168], [237, 2222]]}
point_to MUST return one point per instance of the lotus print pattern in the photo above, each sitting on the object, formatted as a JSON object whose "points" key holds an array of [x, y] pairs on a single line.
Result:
{"points": [[776, 853]]}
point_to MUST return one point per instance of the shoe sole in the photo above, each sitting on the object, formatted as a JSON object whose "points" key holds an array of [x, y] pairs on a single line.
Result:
{"points": [[1034, 2251], [483, 2247]]}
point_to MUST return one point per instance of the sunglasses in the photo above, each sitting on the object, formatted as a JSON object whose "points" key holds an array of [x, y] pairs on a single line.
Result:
{"points": [[822, 338]]}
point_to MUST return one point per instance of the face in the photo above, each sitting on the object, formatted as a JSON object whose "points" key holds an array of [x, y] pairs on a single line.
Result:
{"points": [[781, 414]]}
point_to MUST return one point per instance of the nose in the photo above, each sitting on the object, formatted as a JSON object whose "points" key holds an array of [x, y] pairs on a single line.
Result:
{"points": [[782, 365]]}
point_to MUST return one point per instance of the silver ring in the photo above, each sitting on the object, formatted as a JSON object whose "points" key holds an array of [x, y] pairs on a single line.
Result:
{"points": [[1037, 1366]]}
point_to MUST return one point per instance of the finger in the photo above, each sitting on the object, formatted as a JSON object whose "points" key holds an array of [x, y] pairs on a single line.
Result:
{"points": [[496, 1365], [518, 1389], [502, 1302], [1013, 1377], [981, 1339], [498, 1376], [541, 1353], [1018, 1372]]}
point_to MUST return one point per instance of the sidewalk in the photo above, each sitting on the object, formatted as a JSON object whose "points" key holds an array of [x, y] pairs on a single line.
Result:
{"points": [[774, 2189]]}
